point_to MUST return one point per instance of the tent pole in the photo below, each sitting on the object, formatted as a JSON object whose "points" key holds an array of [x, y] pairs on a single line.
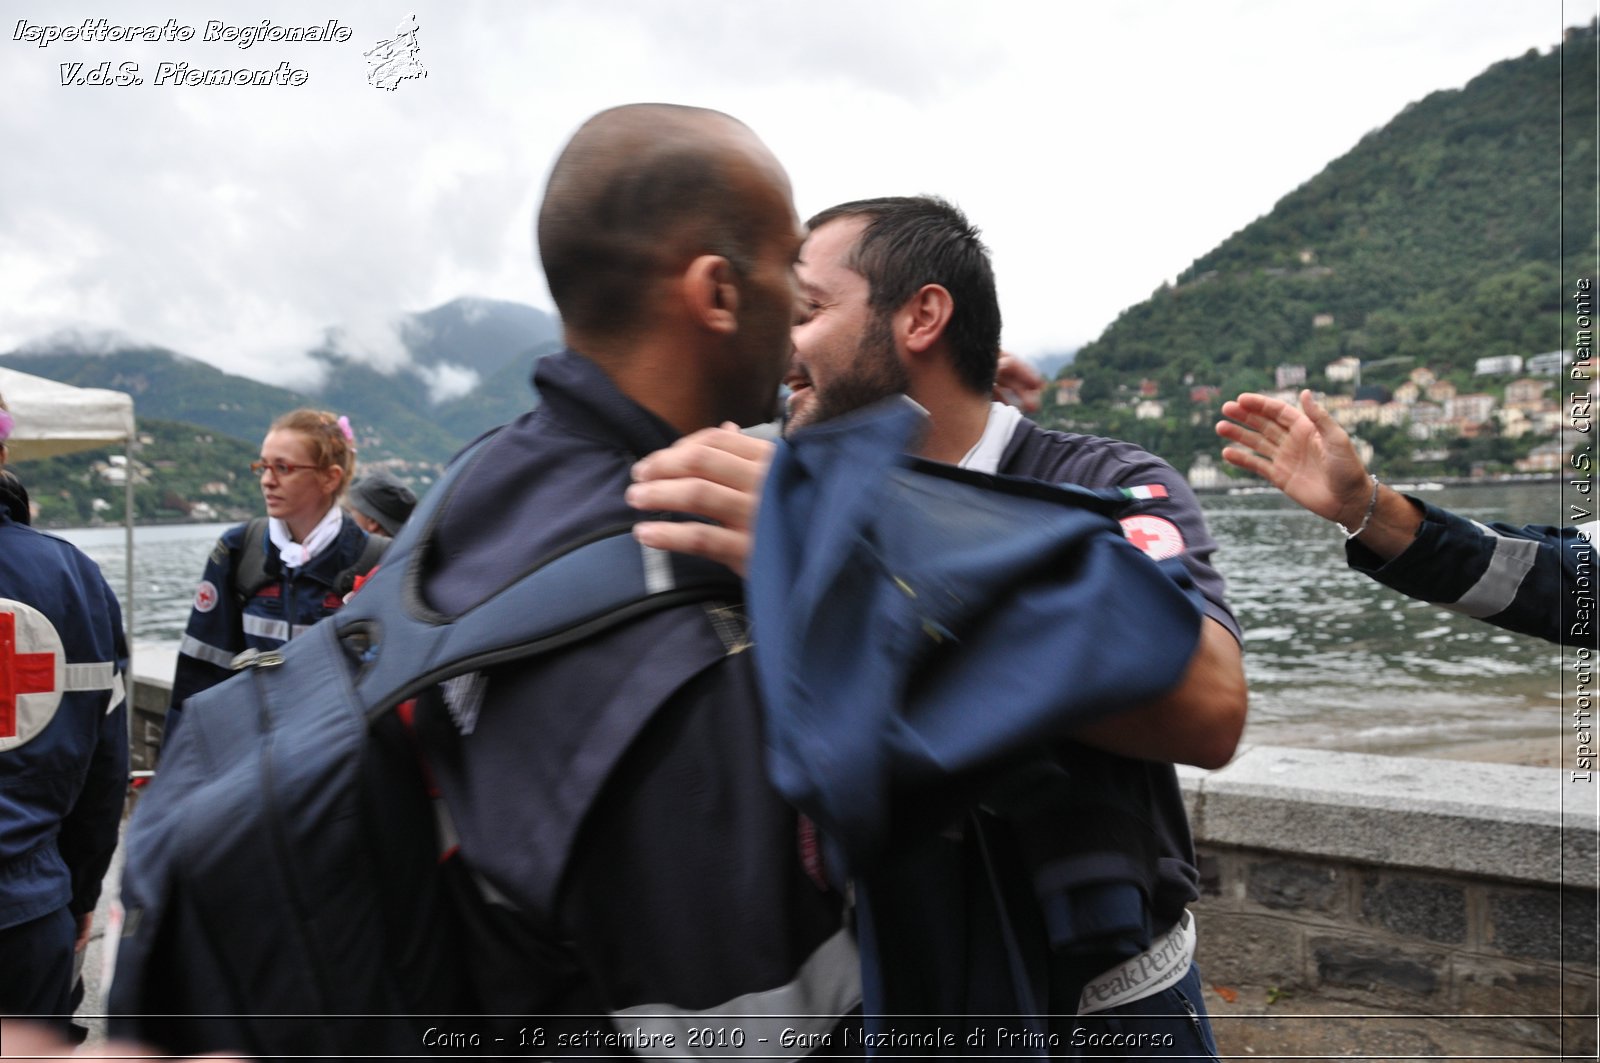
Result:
{"points": [[127, 524]]}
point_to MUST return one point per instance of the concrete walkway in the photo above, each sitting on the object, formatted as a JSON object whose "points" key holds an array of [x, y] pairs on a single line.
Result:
{"points": [[92, 1012]]}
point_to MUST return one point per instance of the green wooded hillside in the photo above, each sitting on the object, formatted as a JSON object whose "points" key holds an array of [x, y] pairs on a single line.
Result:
{"points": [[181, 472], [1455, 232]]}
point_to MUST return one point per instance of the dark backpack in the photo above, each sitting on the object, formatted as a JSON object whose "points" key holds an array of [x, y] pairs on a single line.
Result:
{"points": [[250, 567], [284, 893]]}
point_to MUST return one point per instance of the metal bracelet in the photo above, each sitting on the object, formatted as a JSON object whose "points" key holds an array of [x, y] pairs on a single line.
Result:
{"points": [[1372, 505]]}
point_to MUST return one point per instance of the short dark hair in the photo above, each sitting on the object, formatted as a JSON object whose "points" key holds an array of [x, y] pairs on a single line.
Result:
{"points": [[638, 190], [910, 241]]}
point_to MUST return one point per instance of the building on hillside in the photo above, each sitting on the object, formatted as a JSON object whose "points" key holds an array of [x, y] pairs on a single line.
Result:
{"points": [[1408, 392], [1322, 321], [1342, 369], [1149, 410], [1550, 363], [1205, 473], [1440, 391], [1204, 394], [1499, 365], [1550, 421], [1474, 409], [1069, 391], [1288, 376], [1527, 393], [1148, 388], [1427, 420], [1394, 413], [1546, 457], [1359, 411], [1422, 376], [1513, 421]]}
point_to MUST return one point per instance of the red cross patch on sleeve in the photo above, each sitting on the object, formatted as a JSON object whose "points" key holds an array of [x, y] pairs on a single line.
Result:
{"points": [[1156, 536]]}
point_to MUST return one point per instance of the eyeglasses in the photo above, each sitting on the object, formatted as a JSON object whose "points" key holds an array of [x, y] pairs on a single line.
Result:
{"points": [[280, 469]]}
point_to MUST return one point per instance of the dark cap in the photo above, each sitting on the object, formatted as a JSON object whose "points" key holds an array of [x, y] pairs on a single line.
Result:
{"points": [[383, 498]]}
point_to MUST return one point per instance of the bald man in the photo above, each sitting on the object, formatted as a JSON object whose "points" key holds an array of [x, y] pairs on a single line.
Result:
{"points": [[613, 793]]}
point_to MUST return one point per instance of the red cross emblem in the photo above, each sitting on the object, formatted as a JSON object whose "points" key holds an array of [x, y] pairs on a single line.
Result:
{"points": [[205, 596], [20, 673], [1156, 536]]}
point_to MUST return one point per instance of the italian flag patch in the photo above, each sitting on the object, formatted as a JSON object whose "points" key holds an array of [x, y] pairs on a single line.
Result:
{"points": [[1146, 491]]}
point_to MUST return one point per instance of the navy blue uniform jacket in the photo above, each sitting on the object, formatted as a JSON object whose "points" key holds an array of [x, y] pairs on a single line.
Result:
{"points": [[63, 767], [614, 792], [290, 602], [1536, 580], [925, 645]]}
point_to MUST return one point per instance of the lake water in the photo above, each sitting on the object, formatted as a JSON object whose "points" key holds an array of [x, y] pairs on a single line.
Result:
{"points": [[1334, 660]]}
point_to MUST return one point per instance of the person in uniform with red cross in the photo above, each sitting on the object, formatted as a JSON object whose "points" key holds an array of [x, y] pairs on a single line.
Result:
{"points": [[63, 759]]}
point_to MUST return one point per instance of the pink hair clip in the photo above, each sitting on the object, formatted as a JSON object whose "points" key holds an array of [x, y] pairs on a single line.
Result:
{"points": [[344, 426], [6, 425]]}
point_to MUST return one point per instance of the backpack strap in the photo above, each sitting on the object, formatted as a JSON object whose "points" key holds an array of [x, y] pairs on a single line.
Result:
{"points": [[402, 646], [250, 564], [371, 554]]}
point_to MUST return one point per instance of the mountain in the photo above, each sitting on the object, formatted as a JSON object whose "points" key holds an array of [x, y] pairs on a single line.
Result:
{"points": [[1054, 362], [164, 384], [1454, 233], [470, 368], [484, 335]]}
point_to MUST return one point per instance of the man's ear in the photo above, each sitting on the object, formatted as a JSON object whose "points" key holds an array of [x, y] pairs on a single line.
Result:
{"points": [[710, 289], [925, 316]]}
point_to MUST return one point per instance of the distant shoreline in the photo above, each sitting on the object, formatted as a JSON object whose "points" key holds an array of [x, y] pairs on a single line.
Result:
{"points": [[1240, 486], [1429, 483]]}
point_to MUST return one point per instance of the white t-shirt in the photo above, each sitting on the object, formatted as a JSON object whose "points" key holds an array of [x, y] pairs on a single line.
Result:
{"points": [[985, 455]]}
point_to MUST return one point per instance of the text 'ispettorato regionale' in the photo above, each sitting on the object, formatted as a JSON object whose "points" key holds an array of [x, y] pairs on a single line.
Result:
{"points": [[179, 72]]}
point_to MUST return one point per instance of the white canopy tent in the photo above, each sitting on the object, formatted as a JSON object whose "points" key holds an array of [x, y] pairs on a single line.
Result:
{"points": [[54, 418]]}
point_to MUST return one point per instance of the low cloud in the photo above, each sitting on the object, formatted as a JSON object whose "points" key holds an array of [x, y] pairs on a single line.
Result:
{"points": [[447, 381]]}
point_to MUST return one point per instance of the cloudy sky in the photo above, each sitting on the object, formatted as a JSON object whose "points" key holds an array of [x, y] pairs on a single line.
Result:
{"points": [[1101, 147]]}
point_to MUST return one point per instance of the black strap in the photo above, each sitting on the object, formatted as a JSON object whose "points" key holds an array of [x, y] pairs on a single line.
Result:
{"points": [[371, 554], [250, 564]]}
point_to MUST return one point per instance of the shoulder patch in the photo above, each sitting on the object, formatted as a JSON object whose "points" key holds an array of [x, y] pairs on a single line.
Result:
{"points": [[1146, 491], [1156, 536], [205, 597], [219, 552], [32, 665]]}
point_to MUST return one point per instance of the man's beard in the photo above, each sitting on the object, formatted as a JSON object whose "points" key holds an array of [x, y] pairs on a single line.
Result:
{"points": [[875, 373]]}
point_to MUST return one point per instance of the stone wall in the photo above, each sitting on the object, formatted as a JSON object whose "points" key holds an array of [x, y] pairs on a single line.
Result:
{"points": [[1403, 887], [150, 700]]}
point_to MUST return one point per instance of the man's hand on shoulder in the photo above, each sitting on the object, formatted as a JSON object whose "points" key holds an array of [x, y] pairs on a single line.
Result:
{"points": [[715, 474]]}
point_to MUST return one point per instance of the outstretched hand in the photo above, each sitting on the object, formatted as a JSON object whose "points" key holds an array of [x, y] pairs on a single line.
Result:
{"points": [[1302, 452], [715, 473]]}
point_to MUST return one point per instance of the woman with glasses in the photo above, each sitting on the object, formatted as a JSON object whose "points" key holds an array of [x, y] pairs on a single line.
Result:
{"points": [[268, 580]]}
